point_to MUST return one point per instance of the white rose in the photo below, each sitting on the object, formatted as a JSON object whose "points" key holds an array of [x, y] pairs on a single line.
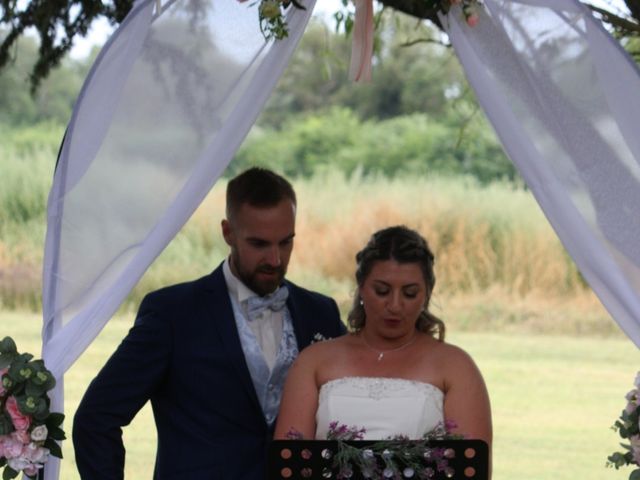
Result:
{"points": [[18, 463], [39, 433], [36, 454]]}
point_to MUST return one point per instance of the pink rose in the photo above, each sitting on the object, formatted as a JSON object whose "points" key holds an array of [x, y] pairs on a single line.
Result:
{"points": [[472, 20], [21, 436], [20, 421], [12, 447]]}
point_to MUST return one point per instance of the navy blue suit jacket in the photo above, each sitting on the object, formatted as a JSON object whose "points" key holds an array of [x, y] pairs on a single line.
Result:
{"points": [[184, 355]]}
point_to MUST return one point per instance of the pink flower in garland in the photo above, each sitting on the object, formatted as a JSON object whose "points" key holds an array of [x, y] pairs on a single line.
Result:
{"points": [[19, 420], [11, 448]]}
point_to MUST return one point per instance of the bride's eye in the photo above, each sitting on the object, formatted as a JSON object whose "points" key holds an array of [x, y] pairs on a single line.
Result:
{"points": [[411, 293], [381, 292]]}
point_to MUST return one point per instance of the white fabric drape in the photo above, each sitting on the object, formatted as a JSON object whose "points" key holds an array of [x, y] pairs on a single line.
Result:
{"points": [[563, 98], [165, 107]]}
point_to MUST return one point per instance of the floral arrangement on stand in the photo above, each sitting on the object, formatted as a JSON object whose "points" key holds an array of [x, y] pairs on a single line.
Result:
{"points": [[394, 458], [28, 430], [628, 428]]}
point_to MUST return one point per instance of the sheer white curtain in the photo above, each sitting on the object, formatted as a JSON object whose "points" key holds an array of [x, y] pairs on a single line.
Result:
{"points": [[167, 103], [563, 98]]}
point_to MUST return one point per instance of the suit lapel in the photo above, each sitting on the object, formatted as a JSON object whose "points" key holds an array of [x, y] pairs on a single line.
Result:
{"points": [[221, 313], [300, 326]]}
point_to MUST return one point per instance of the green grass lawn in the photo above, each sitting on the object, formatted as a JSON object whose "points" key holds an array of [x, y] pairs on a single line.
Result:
{"points": [[553, 397]]}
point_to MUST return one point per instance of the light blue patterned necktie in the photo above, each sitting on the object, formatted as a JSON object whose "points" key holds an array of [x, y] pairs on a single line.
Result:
{"points": [[275, 302]]}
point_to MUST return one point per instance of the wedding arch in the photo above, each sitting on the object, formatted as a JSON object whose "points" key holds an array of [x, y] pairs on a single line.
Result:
{"points": [[177, 87]]}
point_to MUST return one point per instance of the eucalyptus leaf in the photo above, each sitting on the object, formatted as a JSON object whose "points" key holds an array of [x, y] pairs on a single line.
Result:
{"points": [[7, 345], [57, 434], [54, 420], [53, 447], [6, 427], [635, 475], [27, 405], [6, 359], [33, 390], [9, 473]]}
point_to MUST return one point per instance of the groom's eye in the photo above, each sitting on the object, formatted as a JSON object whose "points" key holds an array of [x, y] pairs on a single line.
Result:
{"points": [[258, 243]]}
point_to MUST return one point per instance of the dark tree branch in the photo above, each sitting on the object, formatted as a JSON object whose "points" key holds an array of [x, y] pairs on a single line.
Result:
{"points": [[619, 23], [59, 22]]}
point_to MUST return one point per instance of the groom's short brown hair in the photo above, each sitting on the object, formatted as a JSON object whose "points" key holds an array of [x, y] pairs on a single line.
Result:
{"points": [[258, 187]]}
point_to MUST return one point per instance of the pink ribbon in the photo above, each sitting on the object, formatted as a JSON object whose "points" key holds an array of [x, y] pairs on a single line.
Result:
{"points": [[362, 44]]}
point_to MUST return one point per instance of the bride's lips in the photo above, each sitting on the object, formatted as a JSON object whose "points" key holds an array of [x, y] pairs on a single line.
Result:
{"points": [[392, 322]]}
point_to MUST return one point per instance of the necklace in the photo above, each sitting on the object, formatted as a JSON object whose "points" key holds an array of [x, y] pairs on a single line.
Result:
{"points": [[382, 352]]}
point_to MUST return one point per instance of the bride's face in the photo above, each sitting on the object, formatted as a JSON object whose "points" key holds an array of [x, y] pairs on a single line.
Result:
{"points": [[393, 296]]}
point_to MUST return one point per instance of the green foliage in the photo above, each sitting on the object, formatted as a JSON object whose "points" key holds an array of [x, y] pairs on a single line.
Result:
{"points": [[56, 23], [54, 99], [411, 144]]}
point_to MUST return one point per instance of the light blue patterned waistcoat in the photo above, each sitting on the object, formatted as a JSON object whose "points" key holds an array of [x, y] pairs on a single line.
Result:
{"points": [[268, 385]]}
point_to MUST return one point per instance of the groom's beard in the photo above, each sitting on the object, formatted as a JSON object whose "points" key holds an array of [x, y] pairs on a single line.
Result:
{"points": [[263, 280]]}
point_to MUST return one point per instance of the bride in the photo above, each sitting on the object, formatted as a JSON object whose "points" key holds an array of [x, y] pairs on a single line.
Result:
{"points": [[393, 374]]}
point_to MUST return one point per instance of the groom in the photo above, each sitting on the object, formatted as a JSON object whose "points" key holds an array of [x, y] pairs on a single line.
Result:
{"points": [[211, 355]]}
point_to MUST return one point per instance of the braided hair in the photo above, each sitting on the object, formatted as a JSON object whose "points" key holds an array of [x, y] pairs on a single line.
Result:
{"points": [[403, 245]]}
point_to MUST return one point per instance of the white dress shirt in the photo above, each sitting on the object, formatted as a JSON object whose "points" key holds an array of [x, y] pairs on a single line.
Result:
{"points": [[267, 328]]}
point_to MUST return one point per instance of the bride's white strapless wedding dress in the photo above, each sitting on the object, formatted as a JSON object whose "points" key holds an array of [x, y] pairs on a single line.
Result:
{"points": [[385, 407]]}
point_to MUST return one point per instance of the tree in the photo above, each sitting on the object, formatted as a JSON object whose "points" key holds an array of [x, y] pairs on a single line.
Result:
{"points": [[58, 22]]}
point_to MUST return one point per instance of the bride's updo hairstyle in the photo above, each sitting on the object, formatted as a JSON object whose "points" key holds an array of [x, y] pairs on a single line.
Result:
{"points": [[404, 246]]}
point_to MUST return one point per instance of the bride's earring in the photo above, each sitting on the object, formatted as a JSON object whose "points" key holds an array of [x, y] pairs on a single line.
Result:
{"points": [[361, 303]]}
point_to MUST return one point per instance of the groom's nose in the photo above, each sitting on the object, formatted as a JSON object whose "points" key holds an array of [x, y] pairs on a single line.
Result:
{"points": [[273, 258]]}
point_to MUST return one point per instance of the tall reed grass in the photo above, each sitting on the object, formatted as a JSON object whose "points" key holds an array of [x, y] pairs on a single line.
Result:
{"points": [[497, 259]]}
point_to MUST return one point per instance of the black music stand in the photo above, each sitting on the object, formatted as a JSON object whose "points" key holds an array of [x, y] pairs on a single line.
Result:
{"points": [[316, 460]]}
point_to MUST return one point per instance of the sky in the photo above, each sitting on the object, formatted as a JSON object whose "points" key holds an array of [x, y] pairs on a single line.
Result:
{"points": [[101, 30]]}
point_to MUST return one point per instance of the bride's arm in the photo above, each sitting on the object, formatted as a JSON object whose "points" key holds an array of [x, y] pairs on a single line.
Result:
{"points": [[299, 399], [466, 400]]}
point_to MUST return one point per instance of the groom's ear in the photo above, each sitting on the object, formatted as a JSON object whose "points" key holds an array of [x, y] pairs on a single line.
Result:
{"points": [[227, 232]]}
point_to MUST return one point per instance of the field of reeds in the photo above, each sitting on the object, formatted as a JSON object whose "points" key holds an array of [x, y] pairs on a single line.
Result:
{"points": [[499, 265]]}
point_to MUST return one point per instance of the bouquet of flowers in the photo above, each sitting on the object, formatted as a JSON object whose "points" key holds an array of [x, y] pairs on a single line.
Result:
{"points": [[28, 430], [395, 457], [628, 428]]}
